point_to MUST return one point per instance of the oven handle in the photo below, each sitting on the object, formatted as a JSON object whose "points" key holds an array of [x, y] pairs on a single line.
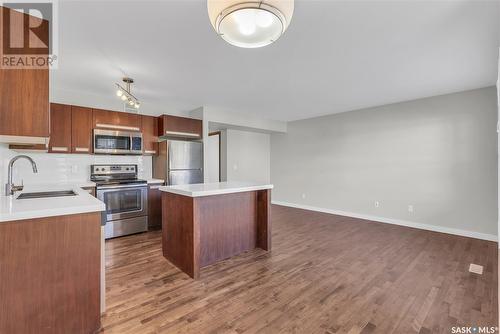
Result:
{"points": [[123, 186]]}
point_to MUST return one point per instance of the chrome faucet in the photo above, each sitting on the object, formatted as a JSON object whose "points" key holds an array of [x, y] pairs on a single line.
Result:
{"points": [[10, 188]]}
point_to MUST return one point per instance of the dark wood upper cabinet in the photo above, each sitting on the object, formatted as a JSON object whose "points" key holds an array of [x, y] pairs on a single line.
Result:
{"points": [[175, 126], [60, 128], [150, 134], [107, 119], [81, 130], [24, 95]]}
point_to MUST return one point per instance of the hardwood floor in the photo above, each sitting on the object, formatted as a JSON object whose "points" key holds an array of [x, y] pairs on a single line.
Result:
{"points": [[325, 274]]}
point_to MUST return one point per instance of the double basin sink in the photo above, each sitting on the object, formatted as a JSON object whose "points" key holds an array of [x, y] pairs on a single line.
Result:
{"points": [[47, 194]]}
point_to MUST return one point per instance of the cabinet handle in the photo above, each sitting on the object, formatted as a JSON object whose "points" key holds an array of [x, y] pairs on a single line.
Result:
{"points": [[81, 149], [59, 149], [120, 127], [155, 187], [149, 152], [185, 134]]}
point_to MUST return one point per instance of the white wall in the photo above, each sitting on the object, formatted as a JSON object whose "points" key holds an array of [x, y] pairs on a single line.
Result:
{"points": [[244, 122], [245, 156], [437, 154], [498, 135], [215, 119], [64, 167]]}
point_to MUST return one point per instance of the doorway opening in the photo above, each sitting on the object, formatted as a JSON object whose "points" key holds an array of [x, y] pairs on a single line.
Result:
{"points": [[214, 159]]}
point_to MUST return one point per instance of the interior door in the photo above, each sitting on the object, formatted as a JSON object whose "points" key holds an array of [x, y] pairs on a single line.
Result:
{"points": [[213, 157]]}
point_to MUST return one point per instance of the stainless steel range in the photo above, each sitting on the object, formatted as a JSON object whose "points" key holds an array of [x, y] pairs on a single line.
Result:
{"points": [[125, 196]]}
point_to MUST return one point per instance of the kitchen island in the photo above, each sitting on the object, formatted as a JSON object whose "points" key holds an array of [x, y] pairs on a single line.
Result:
{"points": [[206, 223]]}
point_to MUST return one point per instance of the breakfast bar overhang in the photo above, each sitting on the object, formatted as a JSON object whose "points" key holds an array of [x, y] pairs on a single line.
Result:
{"points": [[206, 223]]}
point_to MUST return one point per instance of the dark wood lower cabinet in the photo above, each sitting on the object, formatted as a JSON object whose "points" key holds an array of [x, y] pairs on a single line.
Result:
{"points": [[154, 207], [49, 275]]}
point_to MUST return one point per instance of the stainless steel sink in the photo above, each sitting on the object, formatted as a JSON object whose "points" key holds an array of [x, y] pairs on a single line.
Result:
{"points": [[45, 194]]}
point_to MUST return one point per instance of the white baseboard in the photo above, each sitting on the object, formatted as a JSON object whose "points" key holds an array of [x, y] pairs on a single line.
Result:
{"points": [[463, 233]]}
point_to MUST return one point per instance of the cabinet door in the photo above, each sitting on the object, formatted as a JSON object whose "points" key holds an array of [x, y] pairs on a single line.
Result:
{"points": [[60, 128], [24, 93], [150, 134], [106, 119], [154, 207], [81, 130], [175, 126]]}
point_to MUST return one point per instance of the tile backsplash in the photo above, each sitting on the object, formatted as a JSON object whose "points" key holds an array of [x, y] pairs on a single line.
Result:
{"points": [[64, 167]]}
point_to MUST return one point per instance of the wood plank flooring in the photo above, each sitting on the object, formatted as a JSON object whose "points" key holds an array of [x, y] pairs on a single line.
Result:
{"points": [[325, 274]]}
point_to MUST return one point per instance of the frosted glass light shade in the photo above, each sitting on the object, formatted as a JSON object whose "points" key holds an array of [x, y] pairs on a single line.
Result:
{"points": [[250, 24]]}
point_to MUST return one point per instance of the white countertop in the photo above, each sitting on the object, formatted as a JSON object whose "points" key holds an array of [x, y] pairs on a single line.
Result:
{"points": [[17, 209], [86, 184], [219, 188]]}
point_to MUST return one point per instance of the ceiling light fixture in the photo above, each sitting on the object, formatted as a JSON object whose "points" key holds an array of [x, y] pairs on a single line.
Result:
{"points": [[125, 94], [250, 24]]}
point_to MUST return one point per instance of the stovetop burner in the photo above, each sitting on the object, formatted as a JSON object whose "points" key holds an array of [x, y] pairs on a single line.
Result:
{"points": [[108, 175]]}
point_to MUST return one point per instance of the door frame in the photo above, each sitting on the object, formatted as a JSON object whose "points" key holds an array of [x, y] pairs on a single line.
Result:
{"points": [[218, 133]]}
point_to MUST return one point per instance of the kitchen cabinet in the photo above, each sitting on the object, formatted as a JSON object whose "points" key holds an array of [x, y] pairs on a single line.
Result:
{"points": [[154, 207], [150, 134], [50, 274], [107, 119], [24, 94], [81, 130], [175, 126], [60, 128]]}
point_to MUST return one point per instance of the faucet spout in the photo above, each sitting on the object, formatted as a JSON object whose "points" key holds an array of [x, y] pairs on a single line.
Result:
{"points": [[10, 188]]}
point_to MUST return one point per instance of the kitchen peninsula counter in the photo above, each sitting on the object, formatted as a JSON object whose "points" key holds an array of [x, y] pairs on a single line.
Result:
{"points": [[50, 262], [13, 209], [206, 223]]}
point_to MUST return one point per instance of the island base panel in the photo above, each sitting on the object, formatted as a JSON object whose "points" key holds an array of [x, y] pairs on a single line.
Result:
{"points": [[228, 225], [264, 219], [180, 237], [199, 231]]}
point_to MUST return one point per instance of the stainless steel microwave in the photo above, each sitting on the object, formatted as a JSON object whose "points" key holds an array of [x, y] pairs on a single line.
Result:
{"points": [[117, 142]]}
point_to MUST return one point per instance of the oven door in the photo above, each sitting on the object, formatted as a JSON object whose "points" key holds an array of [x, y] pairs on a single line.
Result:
{"points": [[125, 201]]}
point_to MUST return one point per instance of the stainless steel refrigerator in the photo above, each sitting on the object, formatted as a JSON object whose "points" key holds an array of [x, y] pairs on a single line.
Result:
{"points": [[179, 162]]}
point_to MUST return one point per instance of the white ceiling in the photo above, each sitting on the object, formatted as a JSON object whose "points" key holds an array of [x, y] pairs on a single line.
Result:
{"points": [[336, 56]]}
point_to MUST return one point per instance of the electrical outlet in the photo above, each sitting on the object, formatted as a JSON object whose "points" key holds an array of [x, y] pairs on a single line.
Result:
{"points": [[476, 269], [377, 204], [303, 196], [235, 167], [74, 169], [410, 208]]}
